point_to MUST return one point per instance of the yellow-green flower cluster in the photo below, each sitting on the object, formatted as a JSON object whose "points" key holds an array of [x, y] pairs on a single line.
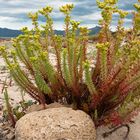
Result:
{"points": [[33, 16], [100, 4], [25, 30], [13, 52], [44, 54], [111, 1], [45, 11], [122, 13], [137, 6], [107, 16], [105, 3], [66, 9], [2, 48], [33, 59], [84, 30], [75, 24], [13, 66], [137, 18], [103, 46]]}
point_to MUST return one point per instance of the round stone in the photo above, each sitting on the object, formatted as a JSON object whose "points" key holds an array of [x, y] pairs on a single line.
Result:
{"points": [[61, 123]]}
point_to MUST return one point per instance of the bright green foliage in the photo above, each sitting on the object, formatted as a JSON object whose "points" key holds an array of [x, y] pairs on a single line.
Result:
{"points": [[104, 90]]}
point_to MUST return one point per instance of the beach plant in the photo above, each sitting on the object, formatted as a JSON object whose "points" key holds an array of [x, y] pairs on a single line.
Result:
{"points": [[108, 89]]}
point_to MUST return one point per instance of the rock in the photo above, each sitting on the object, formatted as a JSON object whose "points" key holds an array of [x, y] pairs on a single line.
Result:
{"points": [[55, 124], [54, 105], [36, 107]]}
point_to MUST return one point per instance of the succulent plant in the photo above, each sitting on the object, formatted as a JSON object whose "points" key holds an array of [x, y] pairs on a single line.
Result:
{"points": [[109, 92]]}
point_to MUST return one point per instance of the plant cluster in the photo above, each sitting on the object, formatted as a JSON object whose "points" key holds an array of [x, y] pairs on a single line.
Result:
{"points": [[109, 92]]}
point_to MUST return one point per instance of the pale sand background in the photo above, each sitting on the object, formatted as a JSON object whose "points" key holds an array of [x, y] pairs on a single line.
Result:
{"points": [[14, 94]]}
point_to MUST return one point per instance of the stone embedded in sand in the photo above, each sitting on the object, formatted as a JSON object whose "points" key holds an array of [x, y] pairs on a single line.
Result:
{"points": [[56, 124]]}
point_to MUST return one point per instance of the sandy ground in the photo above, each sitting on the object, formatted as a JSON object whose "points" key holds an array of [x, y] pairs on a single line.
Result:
{"points": [[15, 96], [120, 133]]}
